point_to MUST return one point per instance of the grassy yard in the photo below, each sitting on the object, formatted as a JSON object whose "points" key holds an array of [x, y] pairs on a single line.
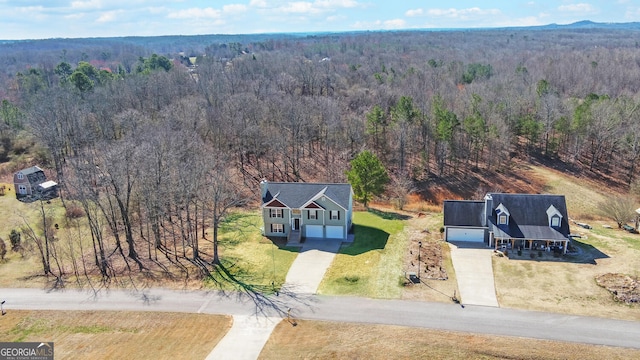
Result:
{"points": [[118, 335], [372, 265], [329, 340], [568, 285], [251, 257]]}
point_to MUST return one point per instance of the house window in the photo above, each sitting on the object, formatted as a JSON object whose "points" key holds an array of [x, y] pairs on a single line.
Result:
{"points": [[275, 213], [277, 228], [555, 221], [20, 176], [334, 215], [313, 214], [502, 220]]}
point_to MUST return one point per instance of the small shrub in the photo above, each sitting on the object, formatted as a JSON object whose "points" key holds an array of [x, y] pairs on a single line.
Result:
{"points": [[74, 212], [532, 255], [14, 237], [352, 279], [3, 249]]}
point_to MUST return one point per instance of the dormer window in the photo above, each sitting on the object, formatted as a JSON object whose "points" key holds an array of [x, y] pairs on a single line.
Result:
{"points": [[503, 215], [554, 216], [20, 176]]}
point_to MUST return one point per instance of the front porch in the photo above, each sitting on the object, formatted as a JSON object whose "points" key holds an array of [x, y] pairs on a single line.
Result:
{"points": [[545, 246]]}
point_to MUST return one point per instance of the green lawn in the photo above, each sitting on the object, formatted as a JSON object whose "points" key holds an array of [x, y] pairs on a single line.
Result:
{"points": [[372, 265], [250, 257]]}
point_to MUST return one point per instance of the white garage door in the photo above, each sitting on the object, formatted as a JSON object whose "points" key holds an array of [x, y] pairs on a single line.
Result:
{"points": [[314, 231], [473, 235], [335, 232]]}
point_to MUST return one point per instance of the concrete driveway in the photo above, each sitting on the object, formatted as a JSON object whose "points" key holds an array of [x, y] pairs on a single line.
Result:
{"points": [[309, 267], [474, 271]]}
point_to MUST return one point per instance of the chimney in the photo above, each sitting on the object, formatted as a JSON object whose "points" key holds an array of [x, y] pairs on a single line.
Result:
{"points": [[488, 207], [264, 187]]}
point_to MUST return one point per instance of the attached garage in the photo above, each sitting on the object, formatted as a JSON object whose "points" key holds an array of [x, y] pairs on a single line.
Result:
{"points": [[335, 232], [314, 231], [465, 234]]}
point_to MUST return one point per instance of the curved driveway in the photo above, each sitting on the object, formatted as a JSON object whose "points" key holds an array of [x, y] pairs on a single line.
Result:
{"points": [[473, 319]]}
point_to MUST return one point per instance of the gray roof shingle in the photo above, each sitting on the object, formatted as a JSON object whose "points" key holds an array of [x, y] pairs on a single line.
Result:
{"points": [[296, 194], [528, 216], [463, 213]]}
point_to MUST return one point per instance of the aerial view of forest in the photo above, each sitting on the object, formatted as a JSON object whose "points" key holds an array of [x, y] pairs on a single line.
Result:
{"points": [[153, 135]]}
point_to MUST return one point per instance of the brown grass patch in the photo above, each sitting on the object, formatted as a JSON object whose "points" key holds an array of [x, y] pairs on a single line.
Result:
{"points": [[330, 340], [118, 335]]}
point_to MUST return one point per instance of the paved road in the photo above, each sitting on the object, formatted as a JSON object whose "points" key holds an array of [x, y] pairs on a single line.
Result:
{"points": [[473, 319]]}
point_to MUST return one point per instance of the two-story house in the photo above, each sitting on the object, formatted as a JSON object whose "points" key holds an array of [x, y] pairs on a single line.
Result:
{"points": [[306, 210]]}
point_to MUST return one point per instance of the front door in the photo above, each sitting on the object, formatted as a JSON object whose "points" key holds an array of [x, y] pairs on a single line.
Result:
{"points": [[296, 224]]}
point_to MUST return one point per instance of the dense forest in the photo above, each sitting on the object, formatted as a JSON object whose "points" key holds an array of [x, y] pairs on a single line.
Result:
{"points": [[154, 147]]}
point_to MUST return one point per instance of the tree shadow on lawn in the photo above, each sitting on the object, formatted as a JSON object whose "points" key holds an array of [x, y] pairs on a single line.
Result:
{"points": [[366, 239]]}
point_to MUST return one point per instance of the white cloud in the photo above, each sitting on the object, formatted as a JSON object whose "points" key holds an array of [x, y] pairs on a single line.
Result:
{"points": [[414, 12], [463, 13], [395, 24], [300, 7], [74, 16], [317, 7], [108, 16], [578, 8], [89, 4], [196, 13], [234, 9], [258, 3], [336, 3]]}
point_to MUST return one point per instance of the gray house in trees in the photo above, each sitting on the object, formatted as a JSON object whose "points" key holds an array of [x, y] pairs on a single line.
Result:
{"points": [[526, 221], [306, 210], [31, 184]]}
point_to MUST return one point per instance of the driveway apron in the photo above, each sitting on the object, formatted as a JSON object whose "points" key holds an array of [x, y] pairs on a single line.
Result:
{"points": [[245, 339], [474, 272], [248, 334]]}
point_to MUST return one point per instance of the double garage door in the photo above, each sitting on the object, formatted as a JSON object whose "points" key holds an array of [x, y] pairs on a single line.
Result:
{"points": [[332, 232], [461, 234]]}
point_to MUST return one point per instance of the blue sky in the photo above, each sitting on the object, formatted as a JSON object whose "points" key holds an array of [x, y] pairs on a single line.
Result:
{"points": [[32, 19]]}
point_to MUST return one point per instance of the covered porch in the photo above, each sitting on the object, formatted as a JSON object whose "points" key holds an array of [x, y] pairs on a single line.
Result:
{"points": [[546, 245]]}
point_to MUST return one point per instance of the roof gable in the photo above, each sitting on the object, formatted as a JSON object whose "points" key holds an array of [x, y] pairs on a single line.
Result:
{"points": [[297, 194], [275, 203], [530, 211]]}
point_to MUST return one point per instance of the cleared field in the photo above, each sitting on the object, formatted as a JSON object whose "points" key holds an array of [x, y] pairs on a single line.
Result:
{"points": [[329, 340], [118, 335]]}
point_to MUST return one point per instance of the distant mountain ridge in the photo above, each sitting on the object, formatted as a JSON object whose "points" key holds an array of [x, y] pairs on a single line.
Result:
{"points": [[588, 24]]}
